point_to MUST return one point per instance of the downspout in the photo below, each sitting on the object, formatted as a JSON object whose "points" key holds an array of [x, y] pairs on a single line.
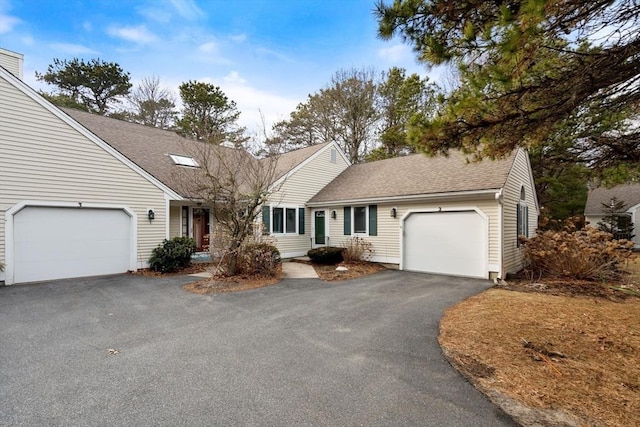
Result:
{"points": [[499, 198]]}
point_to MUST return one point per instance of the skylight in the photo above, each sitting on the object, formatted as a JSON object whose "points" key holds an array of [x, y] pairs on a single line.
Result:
{"points": [[184, 161]]}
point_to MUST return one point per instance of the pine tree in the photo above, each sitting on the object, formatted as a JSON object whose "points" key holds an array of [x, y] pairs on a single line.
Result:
{"points": [[616, 220]]}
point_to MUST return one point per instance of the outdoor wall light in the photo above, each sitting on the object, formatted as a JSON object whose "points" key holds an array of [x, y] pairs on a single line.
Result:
{"points": [[333, 214], [394, 212], [151, 215]]}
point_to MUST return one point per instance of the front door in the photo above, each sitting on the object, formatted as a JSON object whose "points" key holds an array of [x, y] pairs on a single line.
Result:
{"points": [[201, 229], [320, 237]]}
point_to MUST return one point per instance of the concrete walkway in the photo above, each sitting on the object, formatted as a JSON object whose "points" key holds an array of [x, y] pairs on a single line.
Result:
{"points": [[290, 270], [298, 270]]}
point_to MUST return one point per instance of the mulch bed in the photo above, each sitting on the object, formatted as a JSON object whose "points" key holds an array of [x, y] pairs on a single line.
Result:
{"points": [[194, 268], [354, 270], [217, 285]]}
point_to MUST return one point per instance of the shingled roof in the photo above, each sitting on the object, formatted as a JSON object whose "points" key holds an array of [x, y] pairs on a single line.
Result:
{"points": [[415, 175], [628, 193], [150, 148]]}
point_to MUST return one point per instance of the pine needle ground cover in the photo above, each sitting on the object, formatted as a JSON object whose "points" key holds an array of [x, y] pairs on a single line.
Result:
{"points": [[550, 359]]}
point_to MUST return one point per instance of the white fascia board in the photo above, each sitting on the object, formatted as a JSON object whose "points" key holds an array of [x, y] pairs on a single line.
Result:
{"points": [[27, 90], [450, 196]]}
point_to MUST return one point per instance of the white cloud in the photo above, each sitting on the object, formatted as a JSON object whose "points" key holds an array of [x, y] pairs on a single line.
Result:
{"points": [[139, 34], [187, 9], [268, 52], [27, 40], [87, 26], [395, 53], [238, 38], [7, 23], [209, 47], [72, 49], [256, 104], [234, 77], [157, 15]]}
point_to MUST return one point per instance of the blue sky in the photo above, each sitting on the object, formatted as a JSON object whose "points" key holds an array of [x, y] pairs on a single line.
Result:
{"points": [[267, 55]]}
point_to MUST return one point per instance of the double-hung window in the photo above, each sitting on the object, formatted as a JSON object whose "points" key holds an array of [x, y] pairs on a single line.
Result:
{"points": [[522, 217], [360, 220], [284, 220], [278, 220]]}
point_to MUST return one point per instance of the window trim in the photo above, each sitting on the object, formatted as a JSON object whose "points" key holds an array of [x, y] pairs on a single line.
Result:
{"points": [[284, 231]]}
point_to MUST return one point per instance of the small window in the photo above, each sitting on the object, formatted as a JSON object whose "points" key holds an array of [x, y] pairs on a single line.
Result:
{"points": [[184, 161], [522, 194], [334, 155], [522, 222], [278, 220], [185, 221], [360, 219], [291, 220]]}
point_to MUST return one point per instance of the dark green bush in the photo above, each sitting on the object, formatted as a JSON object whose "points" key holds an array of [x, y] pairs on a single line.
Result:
{"points": [[172, 254], [327, 255], [258, 259]]}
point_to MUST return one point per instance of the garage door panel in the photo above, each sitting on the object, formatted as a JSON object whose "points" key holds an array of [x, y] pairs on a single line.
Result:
{"points": [[446, 243], [55, 243]]}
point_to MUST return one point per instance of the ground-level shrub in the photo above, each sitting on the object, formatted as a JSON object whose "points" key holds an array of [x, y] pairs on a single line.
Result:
{"points": [[357, 249], [258, 259], [172, 254], [587, 254], [327, 255]]}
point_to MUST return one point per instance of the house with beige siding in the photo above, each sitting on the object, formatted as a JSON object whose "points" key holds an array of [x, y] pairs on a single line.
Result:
{"points": [[176, 161], [440, 215], [70, 204], [301, 174], [627, 193], [82, 194]]}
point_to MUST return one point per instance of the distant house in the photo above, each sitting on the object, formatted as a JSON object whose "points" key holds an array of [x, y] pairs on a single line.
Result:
{"points": [[627, 193], [82, 194]]}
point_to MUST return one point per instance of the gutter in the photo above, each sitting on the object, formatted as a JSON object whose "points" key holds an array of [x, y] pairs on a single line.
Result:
{"points": [[454, 195]]}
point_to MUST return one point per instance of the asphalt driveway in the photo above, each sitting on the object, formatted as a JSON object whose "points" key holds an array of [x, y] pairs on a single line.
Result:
{"points": [[303, 352]]}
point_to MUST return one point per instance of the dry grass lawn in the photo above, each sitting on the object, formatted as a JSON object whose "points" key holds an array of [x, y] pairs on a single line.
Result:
{"points": [[597, 381]]}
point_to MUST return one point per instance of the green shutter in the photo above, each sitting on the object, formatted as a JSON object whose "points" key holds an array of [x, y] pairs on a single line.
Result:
{"points": [[265, 220], [347, 221], [373, 220], [300, 220], [526, 220]]}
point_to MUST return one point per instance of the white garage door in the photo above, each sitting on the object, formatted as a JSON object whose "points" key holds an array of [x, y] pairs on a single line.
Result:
{"points": [[446, 243], [55, 243]]}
